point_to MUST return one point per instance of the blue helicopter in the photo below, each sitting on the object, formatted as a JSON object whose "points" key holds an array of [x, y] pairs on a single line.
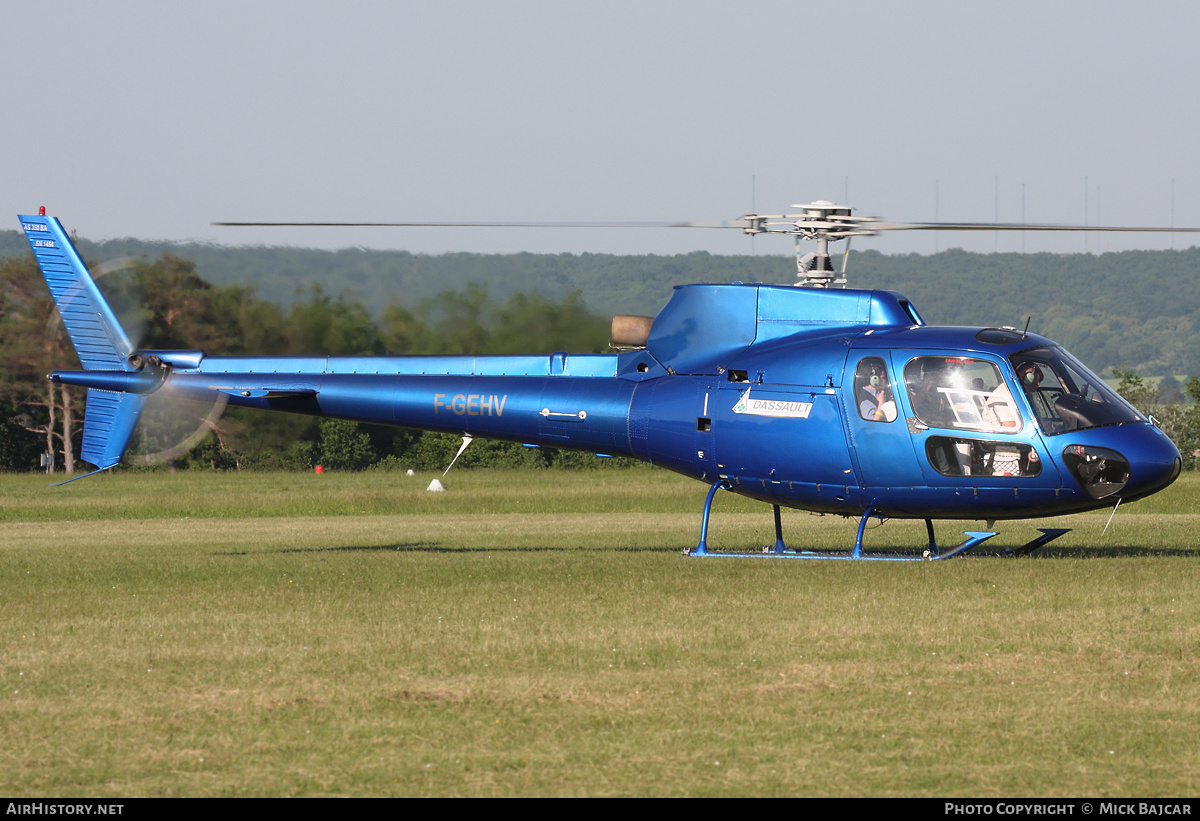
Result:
{"points": [[835, 401]]}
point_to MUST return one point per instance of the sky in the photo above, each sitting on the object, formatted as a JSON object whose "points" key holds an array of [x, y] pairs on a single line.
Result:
{"points": [[155, 119]]}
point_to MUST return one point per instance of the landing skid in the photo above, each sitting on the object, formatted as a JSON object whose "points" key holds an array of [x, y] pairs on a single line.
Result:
{"points": [[931, 552], [1049, 534]]}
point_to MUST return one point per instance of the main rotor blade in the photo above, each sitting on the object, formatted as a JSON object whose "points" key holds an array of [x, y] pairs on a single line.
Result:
{"points": [[860, 223], [738, 223], [1015, 226]]}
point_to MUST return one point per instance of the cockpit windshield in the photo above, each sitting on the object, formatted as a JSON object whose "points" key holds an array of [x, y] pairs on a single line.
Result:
{"points": [[1066, 396]]}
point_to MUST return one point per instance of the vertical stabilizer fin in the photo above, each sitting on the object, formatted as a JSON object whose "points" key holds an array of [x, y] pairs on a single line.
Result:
{"points": [[95, 333], [99, 340]]}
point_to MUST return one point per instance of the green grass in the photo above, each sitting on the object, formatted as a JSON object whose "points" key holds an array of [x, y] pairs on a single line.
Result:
{"points": [[538, 634]]}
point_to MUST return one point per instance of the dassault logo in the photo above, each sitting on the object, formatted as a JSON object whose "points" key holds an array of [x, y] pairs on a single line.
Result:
{"points": [[772, 407]]}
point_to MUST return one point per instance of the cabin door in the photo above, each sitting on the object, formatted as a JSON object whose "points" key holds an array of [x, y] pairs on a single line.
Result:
{"points": [[967, 430], [878, 431]]}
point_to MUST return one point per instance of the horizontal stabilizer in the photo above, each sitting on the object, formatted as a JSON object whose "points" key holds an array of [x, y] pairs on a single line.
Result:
{"points": [[144, 382]]}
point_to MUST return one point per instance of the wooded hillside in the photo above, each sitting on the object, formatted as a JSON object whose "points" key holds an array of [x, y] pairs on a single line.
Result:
{"points": [[1134, 308], [1128, 315]]}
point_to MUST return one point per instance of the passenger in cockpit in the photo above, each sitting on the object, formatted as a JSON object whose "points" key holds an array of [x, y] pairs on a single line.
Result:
{"points": [[1001, 409], [877, 404], [928, 401]]}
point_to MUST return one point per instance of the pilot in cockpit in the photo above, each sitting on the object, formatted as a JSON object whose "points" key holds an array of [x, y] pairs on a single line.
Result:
{"points": [[1030, 375]]}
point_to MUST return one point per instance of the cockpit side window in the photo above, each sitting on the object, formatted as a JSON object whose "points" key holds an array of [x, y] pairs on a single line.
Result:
{"points": [[961, 393], [873, 391]]}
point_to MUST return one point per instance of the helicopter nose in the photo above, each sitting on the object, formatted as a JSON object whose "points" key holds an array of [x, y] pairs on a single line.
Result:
{"points": [[1129, 461], [1156, 466]]}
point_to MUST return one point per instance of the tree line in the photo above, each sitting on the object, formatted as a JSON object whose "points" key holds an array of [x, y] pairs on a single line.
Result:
{"points": [[165, 304], [1134, 309]]}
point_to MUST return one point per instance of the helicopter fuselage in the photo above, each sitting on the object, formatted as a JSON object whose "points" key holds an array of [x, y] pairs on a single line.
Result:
{"points": [[830, 401]]}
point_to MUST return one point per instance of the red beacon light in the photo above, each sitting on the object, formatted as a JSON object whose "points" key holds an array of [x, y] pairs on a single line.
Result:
{"points": [[41, 210]]}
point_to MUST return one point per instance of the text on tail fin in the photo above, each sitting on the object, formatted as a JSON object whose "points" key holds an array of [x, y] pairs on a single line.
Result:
{"points": [[95, 333]]}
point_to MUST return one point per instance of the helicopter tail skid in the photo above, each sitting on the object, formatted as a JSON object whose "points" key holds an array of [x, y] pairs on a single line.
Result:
{"points": [[780, 551]]}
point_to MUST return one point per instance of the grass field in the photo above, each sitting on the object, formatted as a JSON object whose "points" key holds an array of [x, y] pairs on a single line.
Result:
{"points": [[538, 634]]}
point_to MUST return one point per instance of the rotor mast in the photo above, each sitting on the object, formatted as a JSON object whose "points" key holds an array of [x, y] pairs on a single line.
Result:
{"points": [[822, 221]]}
